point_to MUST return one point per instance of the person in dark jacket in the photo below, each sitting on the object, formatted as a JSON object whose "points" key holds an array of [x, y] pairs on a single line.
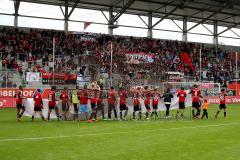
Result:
{"points": [[167, 97]]}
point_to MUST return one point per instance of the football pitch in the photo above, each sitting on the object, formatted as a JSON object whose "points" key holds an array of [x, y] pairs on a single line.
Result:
{"points": [[217, 139]]}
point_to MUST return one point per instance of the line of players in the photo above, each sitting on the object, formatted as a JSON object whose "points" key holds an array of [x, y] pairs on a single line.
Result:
{"points": [[79, 100]]}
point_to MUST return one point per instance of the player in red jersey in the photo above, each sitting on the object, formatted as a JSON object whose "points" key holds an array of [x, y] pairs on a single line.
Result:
{"points": [[147, 100], [196, 94], [112, 103], [136, 104], [84, 101], [64, 97], [19, 103], [123, 103], [155, 101], [52, 103], [181, 99], [99, 106], [222, 105], [38, 104], [93, 101]]}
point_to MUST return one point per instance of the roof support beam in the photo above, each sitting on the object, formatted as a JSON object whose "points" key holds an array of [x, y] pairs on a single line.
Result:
{"points": [[173, 10], [163, 6], [235, 33], [228, 29], [105, 16], [190, 7], [207, 29], [143, 20], [124, 8], [16, 9], [95, 6], [205, 19], [62, 11], [73, 7], [177, 25], [227, 18]]}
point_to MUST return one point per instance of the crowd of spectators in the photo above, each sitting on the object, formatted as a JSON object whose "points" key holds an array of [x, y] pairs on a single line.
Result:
{"points": [[35, 47]]}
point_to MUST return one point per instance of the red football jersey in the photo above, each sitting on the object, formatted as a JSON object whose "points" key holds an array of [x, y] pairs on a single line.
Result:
{"points": [[92, 96], [111, 97], [136, 101], [123, 96], [99, 97], [155, 100], [98, 100], [64, 97], [38, 100], [222, 98], [182, 96], [147, 96], [51, 99], [19, 97], [84, 97], [196, 93]]}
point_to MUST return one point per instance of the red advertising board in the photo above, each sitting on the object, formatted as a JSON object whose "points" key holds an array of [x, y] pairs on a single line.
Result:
{"points": [[10, 92], [234, 86], [7, 99], [229, 100], [7, 102]]}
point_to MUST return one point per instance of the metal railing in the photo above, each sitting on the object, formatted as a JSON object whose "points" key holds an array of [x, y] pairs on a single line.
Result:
{"points": [[11, 79]]}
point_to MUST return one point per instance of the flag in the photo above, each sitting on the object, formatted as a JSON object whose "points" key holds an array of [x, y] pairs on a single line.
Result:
{"points": [[86, 24], [186, 59]]}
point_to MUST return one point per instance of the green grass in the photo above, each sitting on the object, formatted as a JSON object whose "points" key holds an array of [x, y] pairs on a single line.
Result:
{"points": [[128, 140]]}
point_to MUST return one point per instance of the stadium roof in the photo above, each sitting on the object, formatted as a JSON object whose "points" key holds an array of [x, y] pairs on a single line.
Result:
{"points": [[224, 12]]}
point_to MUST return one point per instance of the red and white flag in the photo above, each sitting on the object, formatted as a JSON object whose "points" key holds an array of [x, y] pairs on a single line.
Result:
{"points": [[86, 24]]}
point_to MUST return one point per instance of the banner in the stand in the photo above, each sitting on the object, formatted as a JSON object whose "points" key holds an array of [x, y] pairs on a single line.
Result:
{"points": [[175, 76], [33, 77], [59, 78], [139, 57]]}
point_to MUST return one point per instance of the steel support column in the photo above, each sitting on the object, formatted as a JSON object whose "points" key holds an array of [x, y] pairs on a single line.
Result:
{"points": [[110, 23], [150, 31], [16, 8], [66, 17], [215, 34], [184, 36]]}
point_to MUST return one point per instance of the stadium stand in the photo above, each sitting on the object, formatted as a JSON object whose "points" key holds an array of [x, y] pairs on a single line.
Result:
{"points": [[24, 49]]}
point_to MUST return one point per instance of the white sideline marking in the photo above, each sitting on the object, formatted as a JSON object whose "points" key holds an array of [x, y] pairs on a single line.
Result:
{"points": [[120, 132]]}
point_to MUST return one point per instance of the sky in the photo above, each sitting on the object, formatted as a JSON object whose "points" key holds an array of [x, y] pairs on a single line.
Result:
{"points": [[31, 9]]}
